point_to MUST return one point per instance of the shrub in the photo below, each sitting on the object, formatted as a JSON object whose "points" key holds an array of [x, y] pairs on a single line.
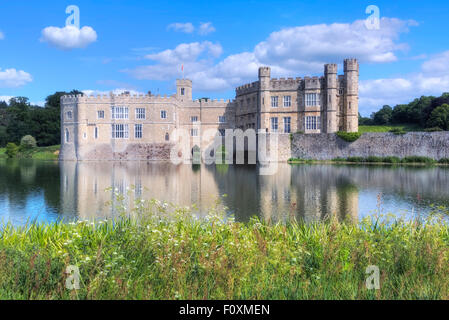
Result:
{"points": [[398, 131], [11, 150], [349, 136], [28, 142], [373, 159], [355, 159], [391, 159], [434, 129], [444, 161], [339, 159], [418, 159]]}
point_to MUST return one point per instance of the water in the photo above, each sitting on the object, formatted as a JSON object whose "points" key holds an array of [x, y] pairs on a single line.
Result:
{"points": [[48, 191]]}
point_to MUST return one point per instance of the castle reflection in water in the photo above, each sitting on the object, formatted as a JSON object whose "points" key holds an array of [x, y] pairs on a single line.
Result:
{"points": [[308, 192]]}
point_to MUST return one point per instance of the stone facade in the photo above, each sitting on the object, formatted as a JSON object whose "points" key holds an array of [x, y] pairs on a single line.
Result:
{"points": [[329, 146], [141, 127], [310, 105]]}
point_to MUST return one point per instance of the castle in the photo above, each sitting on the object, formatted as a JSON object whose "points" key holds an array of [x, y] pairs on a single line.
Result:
{"points": [[139, 127]]}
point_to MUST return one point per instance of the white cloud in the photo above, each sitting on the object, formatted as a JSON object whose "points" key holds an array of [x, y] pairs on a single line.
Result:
{"points": [[195, 57], [90, 92], [2, 35], [308, 47], [69, 37], [291, 51], [181, 27], [12, 78], [6, 98], [433, 79], [38, 103], [206, 28], [438, 64], [186, 52]]}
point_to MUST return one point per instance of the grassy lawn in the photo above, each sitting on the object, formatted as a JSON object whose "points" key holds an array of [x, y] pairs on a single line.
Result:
{"points": [[387, 128], [168, 254], [39, 153], [45, 153]]}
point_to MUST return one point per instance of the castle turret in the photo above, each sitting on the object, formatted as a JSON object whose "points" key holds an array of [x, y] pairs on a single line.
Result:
{"points": [[264, 96], [330, 123], [184, 89], [351, 95]]}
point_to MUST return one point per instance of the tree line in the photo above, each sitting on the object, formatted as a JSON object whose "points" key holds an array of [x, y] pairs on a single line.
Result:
{"points": [[19, 118], [425, 112]]}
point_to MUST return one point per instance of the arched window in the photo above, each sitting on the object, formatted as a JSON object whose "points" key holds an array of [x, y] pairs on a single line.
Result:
{"points": [[167, 137], [67, 135]]}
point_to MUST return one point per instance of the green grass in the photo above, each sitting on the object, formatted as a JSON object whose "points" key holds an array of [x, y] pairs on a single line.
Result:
{"points": [[412, 160], [391, 160], [39, 153], [167, 254], [388, 128]]}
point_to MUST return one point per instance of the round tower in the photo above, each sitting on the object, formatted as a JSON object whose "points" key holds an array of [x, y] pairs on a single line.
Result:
{"points": [[330, 106], [351, 98], [264, 96]]}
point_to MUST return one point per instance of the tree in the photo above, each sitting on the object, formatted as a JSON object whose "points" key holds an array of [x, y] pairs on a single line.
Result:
{"points": [[420, 110], [439, 118], [383, 116], [3, 136], [18, 114], [364, 121], [28, 142], [401, 114], [11, 150], [47, 126]]}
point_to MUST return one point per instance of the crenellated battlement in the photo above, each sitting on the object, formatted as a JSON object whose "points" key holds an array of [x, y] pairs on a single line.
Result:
{"points": [[247, 88], [330, 68], [351, 65], [285, 84], [313, 82], [118, 98], [212, 103]]}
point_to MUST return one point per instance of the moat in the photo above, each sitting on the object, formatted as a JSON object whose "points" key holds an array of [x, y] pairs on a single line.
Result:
{"points": [[46, 191]]}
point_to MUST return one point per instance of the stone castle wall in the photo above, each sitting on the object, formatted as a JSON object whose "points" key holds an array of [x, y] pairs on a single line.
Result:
{"points": [[328, 146]]}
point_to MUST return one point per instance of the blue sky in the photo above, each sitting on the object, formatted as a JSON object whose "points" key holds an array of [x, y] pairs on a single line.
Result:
{"points": [[141, 45]]}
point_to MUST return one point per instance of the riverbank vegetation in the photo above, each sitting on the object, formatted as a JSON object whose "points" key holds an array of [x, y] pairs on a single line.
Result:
{"points": [[38, 153], [169, 254], [18, 118], [389, 128], [424, 113], [349, 136], [412, 160]]}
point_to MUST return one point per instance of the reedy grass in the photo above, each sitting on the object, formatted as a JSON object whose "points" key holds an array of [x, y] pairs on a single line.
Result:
{"points": [[159, 251]]}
